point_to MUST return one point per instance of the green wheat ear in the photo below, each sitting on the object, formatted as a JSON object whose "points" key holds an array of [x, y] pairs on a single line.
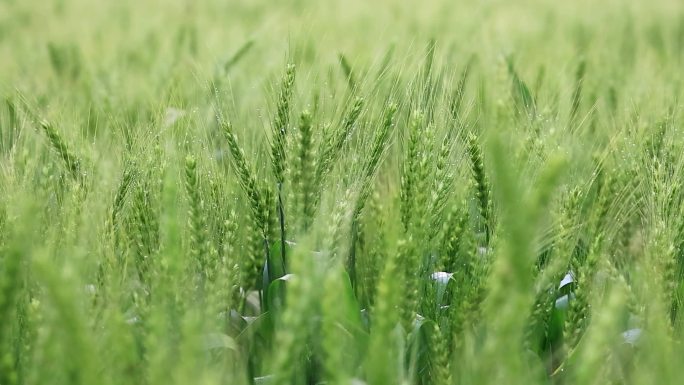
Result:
{"points": [[245, 176], [381, 365], [121, 193], [455, 106], [294, 324], [280, 124], [440, 367], [70, 160], [303, 174], [481, 183], [333, 143], [409, 170], [9, 132], [278, 159], [144, 229], [378, 148], [196, 225], [442, 184]]}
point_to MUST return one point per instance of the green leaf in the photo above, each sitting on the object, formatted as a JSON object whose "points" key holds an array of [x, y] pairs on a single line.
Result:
{"points": [[440, 281], [275, 295]]}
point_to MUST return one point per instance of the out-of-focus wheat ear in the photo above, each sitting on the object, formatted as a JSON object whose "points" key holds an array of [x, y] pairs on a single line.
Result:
{"points": [[347, 71], [65, 59], [144, 232], [121, 193], [378, 148], [295, 321], [238, 55], [522, 96], [459, 91], [427, 93], [654, 143], [125, 187], [409, 168], [600, 339], [71, 161], [440, 367], [14, 251], [3, 224], [412, 278], [69, 320], [424, 181], [577, 92], [334, 342], [386, 60], [10, 133], [382, 365], [577, 319], [334, 141]]}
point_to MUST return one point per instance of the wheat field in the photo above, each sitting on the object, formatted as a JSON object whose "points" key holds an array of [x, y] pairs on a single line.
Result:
{"points": [[341, 192]]}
